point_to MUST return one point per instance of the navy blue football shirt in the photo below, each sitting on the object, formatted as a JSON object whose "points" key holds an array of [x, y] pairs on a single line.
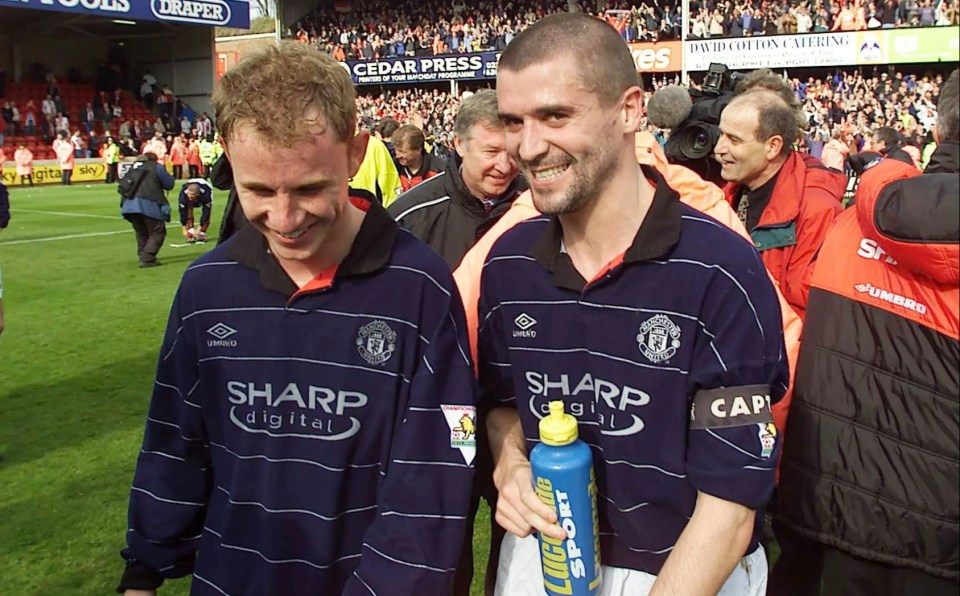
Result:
{"points": [[670, 360]]}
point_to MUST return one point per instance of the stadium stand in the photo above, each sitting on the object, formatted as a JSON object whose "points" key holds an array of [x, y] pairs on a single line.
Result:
{"points": [[712, 19]]}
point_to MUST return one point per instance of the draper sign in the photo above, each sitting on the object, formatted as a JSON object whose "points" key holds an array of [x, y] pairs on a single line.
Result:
{"points": [[214, 13], [388, 71]]}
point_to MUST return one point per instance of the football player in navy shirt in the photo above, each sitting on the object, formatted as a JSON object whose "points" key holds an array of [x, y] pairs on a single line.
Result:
{"points": [[656, 325], [305, 435]]}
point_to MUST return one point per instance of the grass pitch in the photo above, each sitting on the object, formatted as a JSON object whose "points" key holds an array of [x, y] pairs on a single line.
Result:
{"points": [[83, 326]]}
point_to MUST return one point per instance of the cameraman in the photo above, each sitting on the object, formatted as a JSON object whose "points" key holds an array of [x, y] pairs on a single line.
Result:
{"points": [[145, 205], [786, 199]]}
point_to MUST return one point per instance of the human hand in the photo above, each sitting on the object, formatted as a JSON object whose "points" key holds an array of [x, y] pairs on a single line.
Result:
{"points": [[519, 510], [140, 593]]}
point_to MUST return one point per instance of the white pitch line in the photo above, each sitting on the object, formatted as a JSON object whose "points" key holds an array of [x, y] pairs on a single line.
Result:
{"points": [[71, 236], [111, 217]]}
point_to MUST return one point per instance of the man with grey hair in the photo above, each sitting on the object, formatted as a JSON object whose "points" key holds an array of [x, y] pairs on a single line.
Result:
{"points": [[786, 200], [451, 210]]}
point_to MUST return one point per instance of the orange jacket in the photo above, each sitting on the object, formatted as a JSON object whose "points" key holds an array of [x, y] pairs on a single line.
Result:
{"points": [[693, 190], [193, 154], [177, 153], [805, 202], [874, 423], [857, 253]]}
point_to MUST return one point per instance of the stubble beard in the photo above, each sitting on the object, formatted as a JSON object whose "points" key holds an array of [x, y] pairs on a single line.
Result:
{"points": [[588, 184]]}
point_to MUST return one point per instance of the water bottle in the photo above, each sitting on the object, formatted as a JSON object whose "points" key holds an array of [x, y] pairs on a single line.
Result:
{"points": [[563, 479]]}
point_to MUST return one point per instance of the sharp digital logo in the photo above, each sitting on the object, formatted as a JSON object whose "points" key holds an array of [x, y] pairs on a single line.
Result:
{"points": [[206, 12], [221, 332], [524, 322], [292, 410], [611, 404], [869, 249], [892, 298]]}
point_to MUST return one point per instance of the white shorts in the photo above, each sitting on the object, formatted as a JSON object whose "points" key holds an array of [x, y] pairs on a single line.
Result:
{"points": [[520, 574]]}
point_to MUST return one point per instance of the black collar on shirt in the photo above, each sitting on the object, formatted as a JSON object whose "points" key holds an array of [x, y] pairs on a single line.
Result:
{"points": [[759, 199], [370, 250], [658, 234]]}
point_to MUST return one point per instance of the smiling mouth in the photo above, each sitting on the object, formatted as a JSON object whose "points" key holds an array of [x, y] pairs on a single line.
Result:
{"points": [[294, 234], [549, 173]]}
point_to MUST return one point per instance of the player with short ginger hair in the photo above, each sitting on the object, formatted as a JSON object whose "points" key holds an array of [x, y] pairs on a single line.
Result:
{"points": [[305, 436]]}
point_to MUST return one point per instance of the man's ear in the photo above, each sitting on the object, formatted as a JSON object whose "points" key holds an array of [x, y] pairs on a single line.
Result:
{"points": [[936, 134], [356, 150], [774, 146], [632, 109], [460, 145]]}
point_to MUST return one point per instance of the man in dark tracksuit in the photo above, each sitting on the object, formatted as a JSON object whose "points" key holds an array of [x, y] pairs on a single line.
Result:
{"points": [[453, 209], [450, 212], [148, 210], [869, 471]]}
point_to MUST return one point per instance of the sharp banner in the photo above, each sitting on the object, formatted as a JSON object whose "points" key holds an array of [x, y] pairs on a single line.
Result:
{"points": [[419, 69], [212, 13]]}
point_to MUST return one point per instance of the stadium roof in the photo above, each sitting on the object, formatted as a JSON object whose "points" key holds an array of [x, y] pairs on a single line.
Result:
{"points": [[117, 18]]}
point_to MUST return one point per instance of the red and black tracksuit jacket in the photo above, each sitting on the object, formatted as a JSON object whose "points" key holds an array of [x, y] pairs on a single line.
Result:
{"points": [[870, 463]]}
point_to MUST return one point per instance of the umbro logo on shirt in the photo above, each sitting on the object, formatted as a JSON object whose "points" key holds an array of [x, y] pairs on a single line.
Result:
{"points": [[524, 322], [221, 333]]}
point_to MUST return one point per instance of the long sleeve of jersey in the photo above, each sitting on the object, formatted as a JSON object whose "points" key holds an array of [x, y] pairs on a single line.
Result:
{"points": [[172, 483], [413, 545]]}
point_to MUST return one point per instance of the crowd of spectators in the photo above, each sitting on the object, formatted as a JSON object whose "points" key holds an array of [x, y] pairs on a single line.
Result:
{"points": [[130, 116], [432, 111], [848, 106], [383, 29], [739, 18]]}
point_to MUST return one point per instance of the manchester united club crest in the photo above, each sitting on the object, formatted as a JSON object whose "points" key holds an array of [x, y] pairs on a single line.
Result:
{"points": [[658, 339], [376, 342]]}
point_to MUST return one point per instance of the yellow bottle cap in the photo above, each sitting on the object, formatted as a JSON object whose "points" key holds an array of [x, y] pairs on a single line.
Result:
{"points": [[558, 429]]}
